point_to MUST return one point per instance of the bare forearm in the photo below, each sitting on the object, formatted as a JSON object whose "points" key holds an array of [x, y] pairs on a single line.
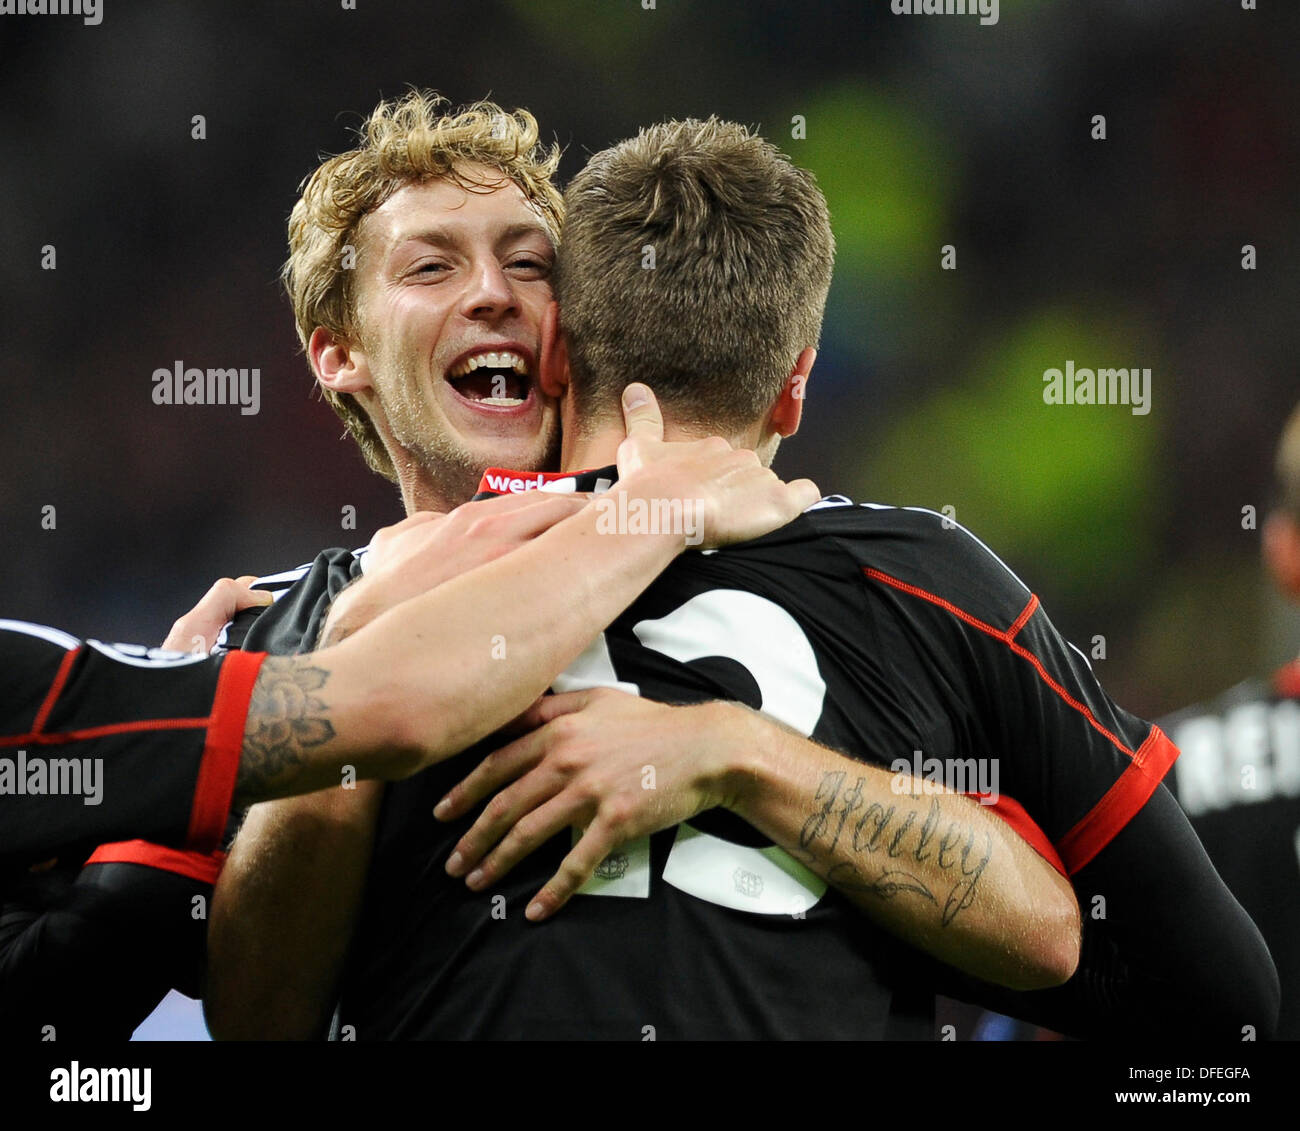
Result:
{"points": [[314, 722], [937, 869], [501, 633], [284, 912], [430, 677]]}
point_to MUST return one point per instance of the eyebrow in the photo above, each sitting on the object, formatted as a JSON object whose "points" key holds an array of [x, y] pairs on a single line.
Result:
{"points": [[442, 236]]}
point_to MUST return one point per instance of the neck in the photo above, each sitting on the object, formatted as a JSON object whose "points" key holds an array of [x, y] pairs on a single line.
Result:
{"points": [[423, 492], [600, 449]]}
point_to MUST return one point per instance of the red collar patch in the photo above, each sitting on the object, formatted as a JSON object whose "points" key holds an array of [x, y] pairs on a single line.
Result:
{"points": [[503, 481]]}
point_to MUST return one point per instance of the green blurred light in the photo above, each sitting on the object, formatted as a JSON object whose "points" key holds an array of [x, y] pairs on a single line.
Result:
{"points": [[887, 180], [1071, 484], [595, 31]]}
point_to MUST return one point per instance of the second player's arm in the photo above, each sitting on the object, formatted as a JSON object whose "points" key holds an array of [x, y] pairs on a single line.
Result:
{"points": [[297, 869], [287, 900], [938, 869]]}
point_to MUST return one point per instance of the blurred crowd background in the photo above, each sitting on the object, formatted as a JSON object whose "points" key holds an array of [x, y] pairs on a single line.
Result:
{"points": [[924, 131]]}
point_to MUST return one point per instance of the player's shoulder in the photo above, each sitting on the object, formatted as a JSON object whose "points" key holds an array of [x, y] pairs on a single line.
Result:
{"points": [[297, 595], [30, 639], [328, 564], [918, 548], [29, 656]]}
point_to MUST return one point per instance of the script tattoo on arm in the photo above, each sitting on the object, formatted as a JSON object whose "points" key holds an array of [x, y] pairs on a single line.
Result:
{"points": [[284, 719], [886, 845]]}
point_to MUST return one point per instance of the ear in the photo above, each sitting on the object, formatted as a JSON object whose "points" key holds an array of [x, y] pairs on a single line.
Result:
{"points": [[339, 367], [1281, 544], [553, 361], [788, 410]]}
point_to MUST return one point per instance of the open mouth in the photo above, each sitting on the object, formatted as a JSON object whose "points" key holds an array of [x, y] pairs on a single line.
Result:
{"points": [[496, 379]]}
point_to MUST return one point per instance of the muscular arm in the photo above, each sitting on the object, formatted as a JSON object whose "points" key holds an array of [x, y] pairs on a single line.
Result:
{"points": [[286, 903], [937, 869], [543, 603]]}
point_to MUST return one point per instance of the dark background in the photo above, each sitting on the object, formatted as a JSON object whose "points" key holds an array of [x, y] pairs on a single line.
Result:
{"points": [[923, 131]]}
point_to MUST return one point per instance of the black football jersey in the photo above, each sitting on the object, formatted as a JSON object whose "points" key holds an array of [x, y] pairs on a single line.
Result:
{"points": [[1238, 780], [100, 741], [887, 633]]}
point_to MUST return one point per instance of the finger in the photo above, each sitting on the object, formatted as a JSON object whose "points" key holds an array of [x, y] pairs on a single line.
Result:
{"points": [[530, 832], [521, 501], [522, 723], [643, 420], [575, 870], [496, 770], [197, 629], [248, 596], [546, 708], [550, 707], [804, 493], [498, 818], [411, 522], [541, 515]]}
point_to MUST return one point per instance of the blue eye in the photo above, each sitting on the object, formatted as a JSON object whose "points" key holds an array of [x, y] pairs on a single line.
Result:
{"points": [[528, 263]]}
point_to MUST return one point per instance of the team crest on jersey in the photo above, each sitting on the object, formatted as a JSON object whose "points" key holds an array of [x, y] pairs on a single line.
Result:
{"points": [[747, 882], [613, 867]]}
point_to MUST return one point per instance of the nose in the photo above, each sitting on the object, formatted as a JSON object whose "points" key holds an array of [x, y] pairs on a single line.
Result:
{"points": [[488, 292]]}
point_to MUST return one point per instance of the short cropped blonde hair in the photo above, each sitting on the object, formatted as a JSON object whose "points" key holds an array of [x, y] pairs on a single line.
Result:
{"points": [[741, 258], [410, 140]]}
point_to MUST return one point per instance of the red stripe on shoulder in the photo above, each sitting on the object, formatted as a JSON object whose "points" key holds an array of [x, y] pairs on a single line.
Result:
{"points": [[1023, 618], [1134, 787], [220, 765], [202, 866], [1006, 638], [1120, 803], [1024, 826], [56, 689]]}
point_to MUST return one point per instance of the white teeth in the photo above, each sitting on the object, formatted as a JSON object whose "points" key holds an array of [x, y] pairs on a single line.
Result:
{"points": [[504, 402], [503, 359]]}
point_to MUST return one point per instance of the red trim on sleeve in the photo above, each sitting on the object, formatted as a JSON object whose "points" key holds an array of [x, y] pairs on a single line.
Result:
{"points": [[202, 866], [1023, 618], [1121, 802], [1023, 825], [56, 689], [63, 737], [1287, 680], [220, 764], [1130, 791], [1006, 638]]}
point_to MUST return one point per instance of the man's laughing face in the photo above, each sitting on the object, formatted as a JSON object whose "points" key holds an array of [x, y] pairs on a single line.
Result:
{"points": [[450, 292]]}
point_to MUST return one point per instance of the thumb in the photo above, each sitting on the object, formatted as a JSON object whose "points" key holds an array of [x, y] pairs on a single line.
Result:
{"points": [[804, 493], [641, 413], [255, 596]]}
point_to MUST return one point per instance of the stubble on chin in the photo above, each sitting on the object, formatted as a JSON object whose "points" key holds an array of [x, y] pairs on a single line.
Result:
{"points": [[450, 467], [454, 469]]}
